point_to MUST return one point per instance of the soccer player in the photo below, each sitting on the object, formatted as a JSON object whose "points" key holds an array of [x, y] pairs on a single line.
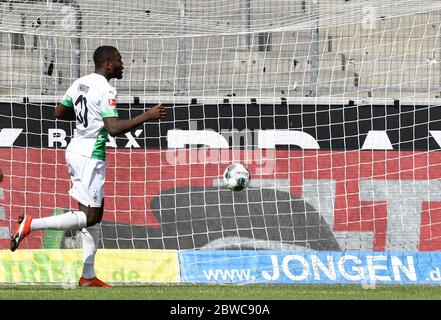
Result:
{"points": [[91, 101]]}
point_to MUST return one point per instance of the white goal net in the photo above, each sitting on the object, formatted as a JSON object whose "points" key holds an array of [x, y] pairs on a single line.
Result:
{"points": [[333, 106]]}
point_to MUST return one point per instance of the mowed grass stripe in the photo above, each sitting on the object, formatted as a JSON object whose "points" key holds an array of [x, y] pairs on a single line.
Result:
{"points": [[222, 292]]}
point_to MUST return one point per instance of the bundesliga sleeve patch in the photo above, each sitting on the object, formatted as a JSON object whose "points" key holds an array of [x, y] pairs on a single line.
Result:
{"points": [[112, 103]]}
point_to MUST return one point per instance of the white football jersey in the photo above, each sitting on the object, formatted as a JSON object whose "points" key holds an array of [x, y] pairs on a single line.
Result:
{"points": [[92, 98]]}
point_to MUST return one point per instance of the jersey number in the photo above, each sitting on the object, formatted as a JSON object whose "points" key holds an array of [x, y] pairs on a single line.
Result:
{"points": [[82, 113]]}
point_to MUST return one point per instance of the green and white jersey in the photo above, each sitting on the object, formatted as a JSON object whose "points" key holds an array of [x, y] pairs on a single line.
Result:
{"points": [[92, 98]]}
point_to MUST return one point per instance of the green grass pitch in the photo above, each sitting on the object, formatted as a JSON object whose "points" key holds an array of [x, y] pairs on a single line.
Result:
{"points": [[222, 292]]}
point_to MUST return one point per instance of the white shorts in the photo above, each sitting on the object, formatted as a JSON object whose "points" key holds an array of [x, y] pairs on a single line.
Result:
{"points": [[88, 177]]}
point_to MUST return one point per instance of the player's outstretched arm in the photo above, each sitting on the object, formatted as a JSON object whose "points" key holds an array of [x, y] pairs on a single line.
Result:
{"points": [[64, 113], [116, 126]]}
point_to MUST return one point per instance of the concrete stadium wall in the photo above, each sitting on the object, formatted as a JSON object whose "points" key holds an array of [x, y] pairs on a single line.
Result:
{"points": [[401, 54]]}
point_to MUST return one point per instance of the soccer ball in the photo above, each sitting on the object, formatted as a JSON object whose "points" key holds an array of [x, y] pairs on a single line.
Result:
{"points": [[236, 177]]}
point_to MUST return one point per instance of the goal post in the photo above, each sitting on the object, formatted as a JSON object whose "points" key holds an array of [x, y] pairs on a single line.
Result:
{"points": [[333, 106]]}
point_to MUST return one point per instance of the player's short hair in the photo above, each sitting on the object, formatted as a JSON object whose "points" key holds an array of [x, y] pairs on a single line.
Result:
{"points": [[102, 54]]}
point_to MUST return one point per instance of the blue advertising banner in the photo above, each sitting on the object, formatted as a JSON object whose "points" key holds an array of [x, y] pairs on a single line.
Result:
{"points": [[310, 267]]}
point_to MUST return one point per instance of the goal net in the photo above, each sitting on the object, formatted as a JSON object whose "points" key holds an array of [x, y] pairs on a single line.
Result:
{"points": [[333, 106]]}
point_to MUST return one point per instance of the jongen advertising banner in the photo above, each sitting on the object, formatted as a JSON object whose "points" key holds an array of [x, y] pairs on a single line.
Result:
{"points": [[310, 267]]}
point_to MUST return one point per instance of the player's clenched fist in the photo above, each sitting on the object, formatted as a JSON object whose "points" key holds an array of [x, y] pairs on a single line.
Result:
{"points": [[156, 112]]}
